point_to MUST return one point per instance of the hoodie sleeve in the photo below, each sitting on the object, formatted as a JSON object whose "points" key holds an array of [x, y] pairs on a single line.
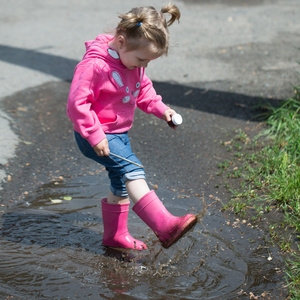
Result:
{"points": [[148, 101], [85, 89]]}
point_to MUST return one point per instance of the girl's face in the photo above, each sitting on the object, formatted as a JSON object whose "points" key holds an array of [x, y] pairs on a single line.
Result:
{"points": [[137, 58]]}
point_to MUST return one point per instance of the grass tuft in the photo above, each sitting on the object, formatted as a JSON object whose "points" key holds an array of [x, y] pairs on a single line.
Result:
{"points": [[268, 172]]}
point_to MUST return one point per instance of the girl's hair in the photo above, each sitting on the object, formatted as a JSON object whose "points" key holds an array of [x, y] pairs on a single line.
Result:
{"points": [[147, 24]]}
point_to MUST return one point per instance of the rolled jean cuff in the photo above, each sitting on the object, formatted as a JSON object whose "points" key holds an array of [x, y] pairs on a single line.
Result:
{"points": [[119, 193], [134, 175]]}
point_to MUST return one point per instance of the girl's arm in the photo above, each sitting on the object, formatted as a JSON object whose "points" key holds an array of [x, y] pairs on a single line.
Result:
{"points": [[148, 101], [85, 89]]}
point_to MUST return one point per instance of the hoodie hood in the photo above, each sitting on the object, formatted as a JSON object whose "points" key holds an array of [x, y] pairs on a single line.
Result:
{"points": [[99, 48]]}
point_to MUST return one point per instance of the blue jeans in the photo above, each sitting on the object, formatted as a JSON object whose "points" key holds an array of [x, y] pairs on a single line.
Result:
{"points": [[119, 171]]}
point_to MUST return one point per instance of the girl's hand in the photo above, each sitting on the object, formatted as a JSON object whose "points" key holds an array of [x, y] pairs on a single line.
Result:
{"points": [[167, 116], [102, 148]]}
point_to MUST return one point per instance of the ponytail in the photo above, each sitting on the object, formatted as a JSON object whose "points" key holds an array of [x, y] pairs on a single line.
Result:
{"points": [[146, 23], [173, 11]]}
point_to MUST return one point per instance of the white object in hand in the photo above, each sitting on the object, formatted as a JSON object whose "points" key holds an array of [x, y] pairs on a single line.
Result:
{"points": [[177, 119]]}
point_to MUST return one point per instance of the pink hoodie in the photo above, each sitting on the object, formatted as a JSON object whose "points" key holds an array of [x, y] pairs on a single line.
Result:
{"points": [[104, 93]]}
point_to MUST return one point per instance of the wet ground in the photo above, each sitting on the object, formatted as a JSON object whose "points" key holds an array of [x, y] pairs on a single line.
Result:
{"points": [[54, 250]]}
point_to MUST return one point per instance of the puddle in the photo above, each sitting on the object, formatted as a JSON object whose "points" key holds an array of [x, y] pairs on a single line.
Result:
{"points": [[55, 251]]}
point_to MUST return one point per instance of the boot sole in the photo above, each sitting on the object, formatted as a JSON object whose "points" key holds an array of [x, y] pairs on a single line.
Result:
{"points": [[123, 248], [187, 225]]}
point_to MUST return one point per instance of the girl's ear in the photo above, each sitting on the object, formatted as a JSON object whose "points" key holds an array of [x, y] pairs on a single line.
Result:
{"points": [[121, 41]]}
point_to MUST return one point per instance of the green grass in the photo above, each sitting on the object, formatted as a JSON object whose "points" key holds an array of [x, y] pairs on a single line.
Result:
{"points": [[267, 170]]}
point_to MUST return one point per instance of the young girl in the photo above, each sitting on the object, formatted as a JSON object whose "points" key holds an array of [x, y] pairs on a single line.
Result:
{"points": [[108, 84]]}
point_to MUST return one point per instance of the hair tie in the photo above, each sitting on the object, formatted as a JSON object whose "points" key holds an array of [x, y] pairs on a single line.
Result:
{"points": [[138, 24]]}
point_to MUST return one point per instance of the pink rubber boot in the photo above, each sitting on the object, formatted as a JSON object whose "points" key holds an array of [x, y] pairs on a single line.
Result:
{"points": [[167, 227], [115, 227]]}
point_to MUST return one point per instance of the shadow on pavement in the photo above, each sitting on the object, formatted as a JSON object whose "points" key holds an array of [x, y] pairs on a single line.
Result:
{"points": [[228, 104], [54, 65]]}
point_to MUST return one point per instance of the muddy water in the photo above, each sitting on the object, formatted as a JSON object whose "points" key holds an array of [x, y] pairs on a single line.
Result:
{"points": [[54, 251]]}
